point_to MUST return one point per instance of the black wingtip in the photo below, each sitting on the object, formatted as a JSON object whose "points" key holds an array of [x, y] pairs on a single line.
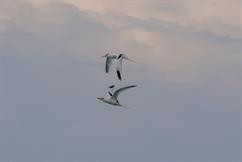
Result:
{"points": [[111, 86], [110, 93], [119, 75], [120, 56]]}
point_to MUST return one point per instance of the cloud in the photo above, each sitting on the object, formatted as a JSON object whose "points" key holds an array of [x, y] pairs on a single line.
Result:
{"points": [[220, 17], [155, 28]]}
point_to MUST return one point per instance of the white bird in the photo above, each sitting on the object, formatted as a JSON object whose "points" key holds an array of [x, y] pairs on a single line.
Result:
{"points": [[119, 64], [119, 60], [113, 97], [109, 61]]}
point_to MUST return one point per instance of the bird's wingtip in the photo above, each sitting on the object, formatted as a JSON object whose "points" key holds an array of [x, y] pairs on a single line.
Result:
{"points": [[119, 75], [111, 86]]}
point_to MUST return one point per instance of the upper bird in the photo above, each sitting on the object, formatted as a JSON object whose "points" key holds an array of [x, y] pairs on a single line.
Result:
{"points": [[113, 97], [119, 60]]}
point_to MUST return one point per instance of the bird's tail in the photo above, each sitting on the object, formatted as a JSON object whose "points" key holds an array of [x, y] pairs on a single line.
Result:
{"points": [[138, 63], [131, 60], [127, 107]]}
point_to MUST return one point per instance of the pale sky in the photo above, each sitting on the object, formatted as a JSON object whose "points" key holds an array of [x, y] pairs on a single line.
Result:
{"points": [[186, 106]]}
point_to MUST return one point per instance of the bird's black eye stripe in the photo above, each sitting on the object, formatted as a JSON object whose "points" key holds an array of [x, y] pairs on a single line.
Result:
{"points": [[111, 86]]}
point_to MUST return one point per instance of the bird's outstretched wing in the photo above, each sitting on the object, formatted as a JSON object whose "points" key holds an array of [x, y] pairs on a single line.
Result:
{"points": [[119, 68], [109, 61], [108, 64], [126, 58], [117, 92]]}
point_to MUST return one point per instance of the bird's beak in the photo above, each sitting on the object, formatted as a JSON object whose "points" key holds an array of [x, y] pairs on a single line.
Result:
{"points": [[99, 98]]}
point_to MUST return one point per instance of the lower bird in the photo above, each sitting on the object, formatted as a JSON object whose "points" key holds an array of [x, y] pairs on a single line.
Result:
{"points": [[113, 97]]}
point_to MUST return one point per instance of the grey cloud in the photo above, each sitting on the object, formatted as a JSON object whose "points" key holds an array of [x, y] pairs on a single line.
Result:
{"points": [[56, 29], [177, 29]]}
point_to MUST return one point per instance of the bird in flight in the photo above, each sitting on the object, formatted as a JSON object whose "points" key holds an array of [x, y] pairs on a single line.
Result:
{"points": [[113, 97], [119, 60]]}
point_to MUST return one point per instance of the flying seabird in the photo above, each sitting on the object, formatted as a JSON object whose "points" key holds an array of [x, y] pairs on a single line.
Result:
{"points": [[119, 60], [113, 97]]}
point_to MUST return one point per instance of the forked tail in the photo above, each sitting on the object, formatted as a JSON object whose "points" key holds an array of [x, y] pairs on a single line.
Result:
{"points": [[127, 107]]}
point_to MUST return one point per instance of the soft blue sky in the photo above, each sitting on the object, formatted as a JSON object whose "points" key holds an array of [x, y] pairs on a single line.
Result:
{"points": [[187, 103]]}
